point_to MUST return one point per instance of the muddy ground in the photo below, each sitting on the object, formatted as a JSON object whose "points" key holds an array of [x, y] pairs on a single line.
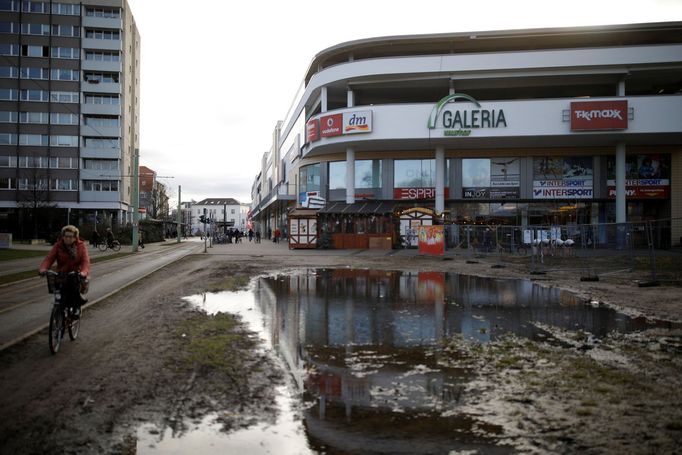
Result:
{"points": [[144, 355]]}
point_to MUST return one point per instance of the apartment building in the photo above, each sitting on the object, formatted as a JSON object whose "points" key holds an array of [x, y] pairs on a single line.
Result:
{"points": [[69, 113], [540, 127]]}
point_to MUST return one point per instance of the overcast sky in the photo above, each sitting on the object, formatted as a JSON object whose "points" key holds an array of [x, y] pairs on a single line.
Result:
{"points": [[217, 75]]}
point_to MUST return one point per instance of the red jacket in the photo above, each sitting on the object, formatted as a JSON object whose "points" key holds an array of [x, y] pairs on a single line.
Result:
{"points": [[65, 263]]}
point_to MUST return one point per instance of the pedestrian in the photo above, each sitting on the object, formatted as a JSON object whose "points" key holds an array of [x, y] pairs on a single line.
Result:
{"points": [[278, 234], [270, 234], [96, 238], [250, 235], [257, 235], [140, 240]]}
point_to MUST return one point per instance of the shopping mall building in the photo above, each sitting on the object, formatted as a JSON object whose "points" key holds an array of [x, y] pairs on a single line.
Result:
{"points": [[553, 127]]}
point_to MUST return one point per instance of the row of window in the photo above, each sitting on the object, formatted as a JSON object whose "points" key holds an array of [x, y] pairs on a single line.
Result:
{"points": [[44, 140], [54, 118], [12, 94], [73, 53], [63, 9], [56, 74], [27, 28], [57, 162], [10, 183]]}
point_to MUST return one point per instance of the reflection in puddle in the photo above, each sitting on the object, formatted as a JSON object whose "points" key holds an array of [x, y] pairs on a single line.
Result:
{"points": [[365, 350]]}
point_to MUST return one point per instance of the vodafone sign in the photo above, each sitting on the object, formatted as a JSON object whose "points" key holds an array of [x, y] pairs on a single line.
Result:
{"points": [[331, 125], [599, 115]]}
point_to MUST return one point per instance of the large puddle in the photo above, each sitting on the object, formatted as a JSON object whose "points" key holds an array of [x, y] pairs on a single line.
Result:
{"points": [[363, 349]]}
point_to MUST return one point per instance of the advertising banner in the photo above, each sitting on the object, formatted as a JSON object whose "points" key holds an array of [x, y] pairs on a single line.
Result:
{"points": [[431, 240], [647, 176], [496, 178], [357, 122], [599, 115], [331, 125], [563, 177], [312, 129]]}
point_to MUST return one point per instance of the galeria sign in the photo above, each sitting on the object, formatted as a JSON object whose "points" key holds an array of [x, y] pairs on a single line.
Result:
{"points": [[599, 115], [460, 119]]}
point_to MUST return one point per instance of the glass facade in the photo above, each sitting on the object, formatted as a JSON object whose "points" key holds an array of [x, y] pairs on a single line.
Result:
{"points": [[367, 174]]}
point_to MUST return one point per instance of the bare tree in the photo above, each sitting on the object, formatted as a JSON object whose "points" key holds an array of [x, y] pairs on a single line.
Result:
{"points": [[33, 194]]}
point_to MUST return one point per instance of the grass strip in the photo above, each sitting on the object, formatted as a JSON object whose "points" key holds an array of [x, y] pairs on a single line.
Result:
{"points": [[8, 255], [12, 277]]}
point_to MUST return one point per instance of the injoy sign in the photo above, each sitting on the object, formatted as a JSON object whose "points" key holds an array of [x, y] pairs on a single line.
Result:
{"points": [[599, 115]]}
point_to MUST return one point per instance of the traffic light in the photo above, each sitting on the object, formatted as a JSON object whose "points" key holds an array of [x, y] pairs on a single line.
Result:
{"points": [[202, 219]]}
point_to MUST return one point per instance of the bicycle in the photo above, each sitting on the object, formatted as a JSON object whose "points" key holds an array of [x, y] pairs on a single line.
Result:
{"points": [[517, 248], [114, 245], [65, 287]]}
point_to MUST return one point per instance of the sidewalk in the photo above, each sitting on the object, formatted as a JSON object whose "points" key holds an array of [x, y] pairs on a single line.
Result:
{"points": [[24, 264]]}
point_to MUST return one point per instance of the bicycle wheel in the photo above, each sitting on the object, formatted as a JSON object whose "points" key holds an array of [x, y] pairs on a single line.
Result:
{"points": [[116, 246], [102, 246], [75, 326], [56, 328]]}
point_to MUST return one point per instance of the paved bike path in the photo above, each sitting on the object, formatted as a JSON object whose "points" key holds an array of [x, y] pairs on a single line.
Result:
{"points": [[25, 306]]}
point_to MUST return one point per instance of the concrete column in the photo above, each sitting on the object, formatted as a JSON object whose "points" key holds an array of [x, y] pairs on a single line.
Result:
{"points": [[676, 197], [440, 180], [350, 175], [620, 183], [323, 99], [350, 97]]}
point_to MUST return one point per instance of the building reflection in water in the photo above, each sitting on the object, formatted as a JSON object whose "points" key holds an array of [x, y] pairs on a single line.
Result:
{"points": [[365, 348]]}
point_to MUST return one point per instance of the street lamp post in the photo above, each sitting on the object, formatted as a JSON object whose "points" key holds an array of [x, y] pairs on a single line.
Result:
{"points": [[136, 198]]}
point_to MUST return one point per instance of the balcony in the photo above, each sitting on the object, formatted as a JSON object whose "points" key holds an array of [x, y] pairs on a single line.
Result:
{"points": [[104, 131], [111, 153], [98, 174], [102, 44], [99, 196], [96, 65], [101, 87], [102, 22], [101, 109]]}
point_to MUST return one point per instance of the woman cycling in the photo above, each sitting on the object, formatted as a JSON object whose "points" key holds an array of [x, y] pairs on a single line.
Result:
{"points": [[71, 255]]}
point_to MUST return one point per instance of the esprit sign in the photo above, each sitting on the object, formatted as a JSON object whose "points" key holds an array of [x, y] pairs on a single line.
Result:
{"points": [[460, 119], [599, 115], [417, 193]]}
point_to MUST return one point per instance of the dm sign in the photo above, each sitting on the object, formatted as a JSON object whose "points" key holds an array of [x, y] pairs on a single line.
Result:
{"points": [[460, 119]]}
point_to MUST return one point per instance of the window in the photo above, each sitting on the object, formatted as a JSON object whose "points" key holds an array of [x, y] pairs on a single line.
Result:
{"points": [[414, 173], [8, 117], [33, 117], [8, 139], [309, 178], [103, 12], [8, 161], [9, 5], [476, 173], [9, 94], [33, 161], [64, 97], [9, 49], [34, 95], [102, 143], [103, 56], [64, 185], [33, 139], [100, 165], [63, 163], [367, 174], [95, 78], [103, 34], [63, 119], [9, 27], [7, 183], [35, 7], [103, 121], [63, 141], [100, 185], [60, 74], [34, 73], [66, 30], [102, 99], [34, 51], [35, 29], [11, 72], [73, 53], [66, 9]]}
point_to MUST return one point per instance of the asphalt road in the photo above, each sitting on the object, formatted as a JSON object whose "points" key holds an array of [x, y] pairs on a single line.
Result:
{"points": [[25, 306]]}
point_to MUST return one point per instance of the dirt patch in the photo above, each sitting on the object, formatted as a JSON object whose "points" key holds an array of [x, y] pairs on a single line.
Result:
{"points": [[145, 355]]}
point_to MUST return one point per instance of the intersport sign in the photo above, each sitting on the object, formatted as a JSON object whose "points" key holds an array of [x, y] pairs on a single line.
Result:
{"points": [[599, 115]]}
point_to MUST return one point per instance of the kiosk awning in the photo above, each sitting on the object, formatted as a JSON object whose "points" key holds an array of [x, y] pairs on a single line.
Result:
{"points": [[365, 207]]}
